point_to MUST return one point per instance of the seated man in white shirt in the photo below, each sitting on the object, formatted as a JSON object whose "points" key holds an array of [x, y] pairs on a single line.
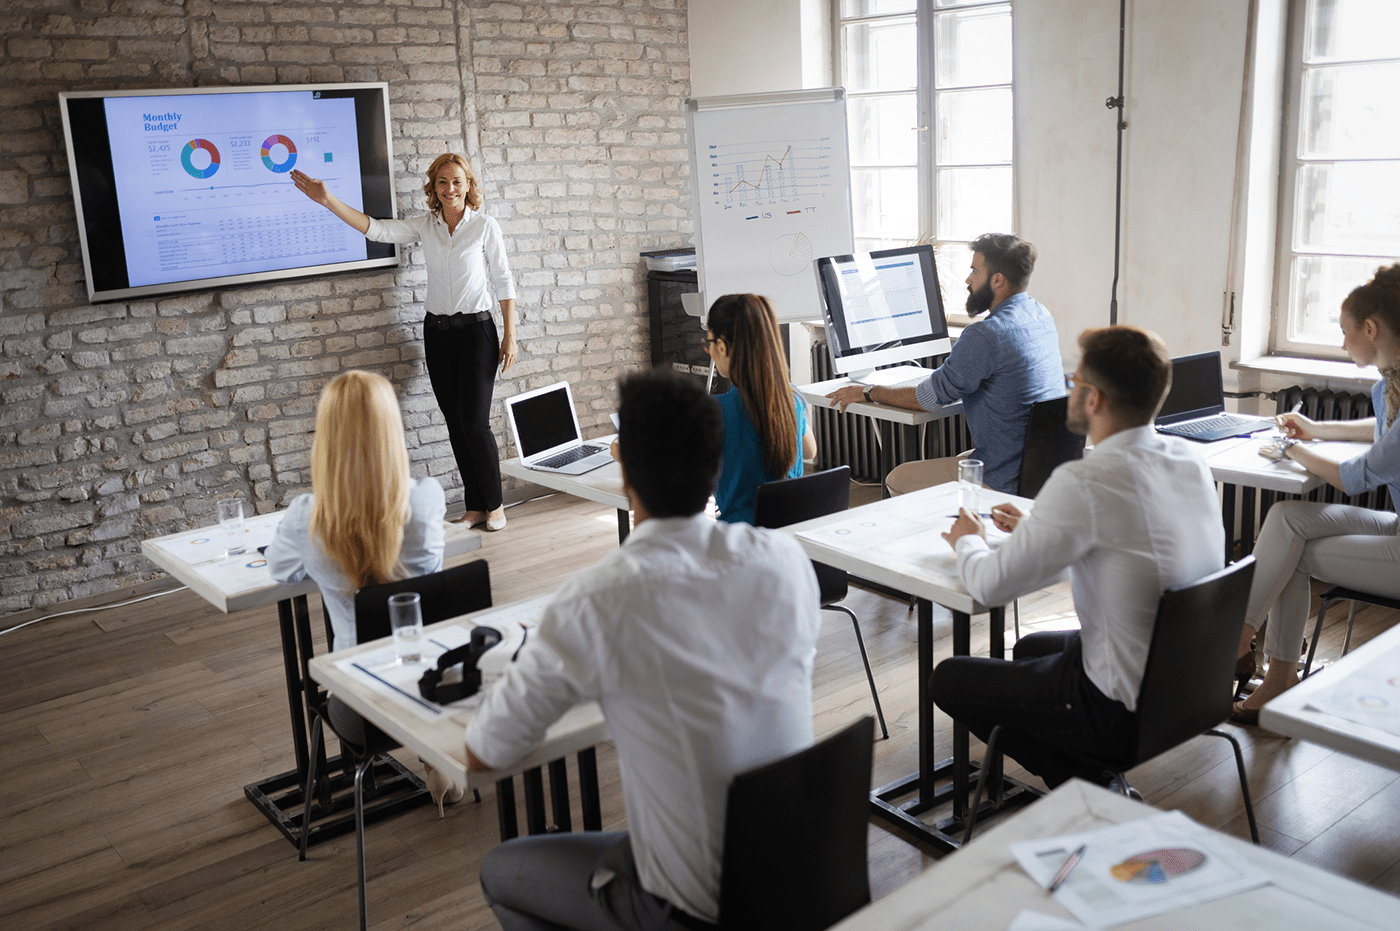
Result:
{"points": [[697, 639], [1134, 517]]}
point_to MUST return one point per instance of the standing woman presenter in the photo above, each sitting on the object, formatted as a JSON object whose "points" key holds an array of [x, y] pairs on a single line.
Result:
{"points": [[467, 276]]}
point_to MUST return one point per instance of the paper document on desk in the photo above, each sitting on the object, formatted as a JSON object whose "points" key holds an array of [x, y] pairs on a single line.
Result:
{"points": [[860, 533], [381, 671], [1129, 871], [206, 545], [1369, 696]]}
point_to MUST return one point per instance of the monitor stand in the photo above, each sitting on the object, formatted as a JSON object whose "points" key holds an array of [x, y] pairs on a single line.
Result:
{"points": [[890, 378]]}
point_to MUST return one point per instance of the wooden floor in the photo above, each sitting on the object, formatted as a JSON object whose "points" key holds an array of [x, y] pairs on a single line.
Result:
{"points": [[129, 733]]}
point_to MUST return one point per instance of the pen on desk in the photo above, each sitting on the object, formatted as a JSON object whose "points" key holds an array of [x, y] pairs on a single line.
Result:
{"points": [[1068, 868], [986, 514]]}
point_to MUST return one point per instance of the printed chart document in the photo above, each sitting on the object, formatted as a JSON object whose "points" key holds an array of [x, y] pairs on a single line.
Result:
{"points": [[1369, 696], [914, 536], [1139, 868]]}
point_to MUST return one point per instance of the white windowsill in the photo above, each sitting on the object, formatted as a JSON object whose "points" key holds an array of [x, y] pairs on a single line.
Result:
{"points": [[1329, 370]]}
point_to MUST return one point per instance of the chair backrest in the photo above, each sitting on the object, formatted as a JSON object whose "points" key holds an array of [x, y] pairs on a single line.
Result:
{"points": [[447, 593], [1190, 674], [795, 837], [1049, 443], [791, 500]]}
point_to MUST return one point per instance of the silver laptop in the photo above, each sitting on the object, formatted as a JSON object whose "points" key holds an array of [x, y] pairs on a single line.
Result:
{"points": [[545, 427]]}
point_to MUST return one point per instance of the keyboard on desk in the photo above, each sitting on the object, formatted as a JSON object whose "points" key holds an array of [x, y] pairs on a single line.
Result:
{"points": [[1216, 428], [569, 455]]}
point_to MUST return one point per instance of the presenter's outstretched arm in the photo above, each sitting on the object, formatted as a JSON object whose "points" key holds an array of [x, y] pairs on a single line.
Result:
{"points": [[316, 189], [508, 351]]}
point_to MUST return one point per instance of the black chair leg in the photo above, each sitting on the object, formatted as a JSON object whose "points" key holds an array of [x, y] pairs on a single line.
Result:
{"points": [[864, 658], [1317, 635], [977, 796], [1244, 783], [365, 764]]}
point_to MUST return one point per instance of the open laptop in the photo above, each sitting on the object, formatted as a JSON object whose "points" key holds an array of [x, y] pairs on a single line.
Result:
{"points": [[546, 432], [1195, 406]]}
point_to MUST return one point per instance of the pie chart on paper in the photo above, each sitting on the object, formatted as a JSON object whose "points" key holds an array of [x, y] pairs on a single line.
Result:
{"points": [[1157, 866]]}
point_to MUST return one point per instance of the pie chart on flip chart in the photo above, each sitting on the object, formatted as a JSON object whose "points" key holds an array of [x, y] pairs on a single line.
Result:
{"points": [[1157, 866], [199, 158], [270, 153], [791, 254]]}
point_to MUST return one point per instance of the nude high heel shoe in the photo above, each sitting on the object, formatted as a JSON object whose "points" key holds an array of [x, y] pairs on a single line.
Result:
{"points": [[442, 791]]}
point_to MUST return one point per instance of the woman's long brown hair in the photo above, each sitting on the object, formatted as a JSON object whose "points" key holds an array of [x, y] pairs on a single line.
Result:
{"points": [[749, 328]]}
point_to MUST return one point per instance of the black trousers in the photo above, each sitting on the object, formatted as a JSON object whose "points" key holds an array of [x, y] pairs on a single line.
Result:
{"points": [[462, 369], [1045, 704]]}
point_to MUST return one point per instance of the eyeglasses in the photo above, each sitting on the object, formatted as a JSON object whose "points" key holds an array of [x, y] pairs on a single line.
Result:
{"points": [[709, 341], [1071, 382]]}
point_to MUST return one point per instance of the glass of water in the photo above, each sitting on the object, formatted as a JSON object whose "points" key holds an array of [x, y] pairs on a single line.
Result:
{"points": [[969, 484], [406, 618], [231, 520]]}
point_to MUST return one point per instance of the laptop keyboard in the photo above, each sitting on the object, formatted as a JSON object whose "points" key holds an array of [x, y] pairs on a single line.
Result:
{"points": [[568, 456], [1214, 428]]}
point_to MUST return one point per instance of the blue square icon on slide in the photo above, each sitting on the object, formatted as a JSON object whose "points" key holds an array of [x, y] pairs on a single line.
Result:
{"points": [[329, 157]]}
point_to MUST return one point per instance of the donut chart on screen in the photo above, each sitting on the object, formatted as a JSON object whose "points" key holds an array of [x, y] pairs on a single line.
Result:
{"points": [[189, 150], [267, 145]]}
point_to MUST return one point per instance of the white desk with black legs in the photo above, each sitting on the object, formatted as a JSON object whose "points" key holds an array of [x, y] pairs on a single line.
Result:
{"points": [[195, 558], [602, 485], [898, 543]]}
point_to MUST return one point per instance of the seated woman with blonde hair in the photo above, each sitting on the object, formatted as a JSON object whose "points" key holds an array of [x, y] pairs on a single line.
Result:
{"points": [[1336, 543], [766, 433]]}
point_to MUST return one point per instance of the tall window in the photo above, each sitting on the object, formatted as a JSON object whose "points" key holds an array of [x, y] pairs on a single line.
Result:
{"points": [[930, 118], [1341, 203]]}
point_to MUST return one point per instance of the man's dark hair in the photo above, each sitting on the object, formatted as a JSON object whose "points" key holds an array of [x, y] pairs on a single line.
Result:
{"points": [[1008, 254], [671, 436], [1130, 367]]}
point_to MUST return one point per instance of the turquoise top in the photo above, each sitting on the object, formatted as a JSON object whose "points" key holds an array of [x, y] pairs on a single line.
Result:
{"points": [[743, 468]]}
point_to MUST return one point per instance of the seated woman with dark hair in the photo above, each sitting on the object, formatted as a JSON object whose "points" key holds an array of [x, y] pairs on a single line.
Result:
{"points": [[1337, 543], [766, 433]]}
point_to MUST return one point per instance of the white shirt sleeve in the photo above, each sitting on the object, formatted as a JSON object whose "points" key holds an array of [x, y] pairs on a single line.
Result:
{"points": [[497, 265], [402, 232], [1057, 532]]}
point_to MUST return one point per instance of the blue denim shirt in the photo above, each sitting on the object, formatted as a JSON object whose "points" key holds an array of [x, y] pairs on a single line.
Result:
{"points": [[999, 367], [1379, 465]]}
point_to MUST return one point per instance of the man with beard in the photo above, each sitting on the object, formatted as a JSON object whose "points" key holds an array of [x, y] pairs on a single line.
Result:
{"points": [[998, 368], [1134, 517]]}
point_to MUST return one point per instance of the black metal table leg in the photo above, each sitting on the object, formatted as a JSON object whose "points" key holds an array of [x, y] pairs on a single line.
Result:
{"points": [[1227, 515], [624, 525], [533, 782], [588, 790], [505, 808], [559, 795]]}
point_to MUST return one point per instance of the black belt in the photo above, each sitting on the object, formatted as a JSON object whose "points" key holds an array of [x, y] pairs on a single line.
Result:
{"points": [[686, 920], [456, 321]]}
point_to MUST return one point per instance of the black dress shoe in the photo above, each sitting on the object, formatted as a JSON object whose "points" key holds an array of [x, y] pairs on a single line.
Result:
{"points": [[1245, 717]]}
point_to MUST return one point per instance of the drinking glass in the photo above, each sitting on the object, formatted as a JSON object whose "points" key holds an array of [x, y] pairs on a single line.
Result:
{"points": [[231, 520], [406, 618], [969, 483]]}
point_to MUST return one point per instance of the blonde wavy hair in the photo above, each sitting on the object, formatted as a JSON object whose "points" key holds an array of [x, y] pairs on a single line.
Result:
{"points": [[473, 185], [359, 473]]}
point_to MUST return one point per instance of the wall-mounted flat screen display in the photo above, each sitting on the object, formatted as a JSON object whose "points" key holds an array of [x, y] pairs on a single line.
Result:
{"points": [[185, 190]]}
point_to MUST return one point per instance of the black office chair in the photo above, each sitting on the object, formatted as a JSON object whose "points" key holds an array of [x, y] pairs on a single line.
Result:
{"points": [[445, 594], [1339, 593], [1049, 444], [1187, 683], [795, 838], [790, 500]]}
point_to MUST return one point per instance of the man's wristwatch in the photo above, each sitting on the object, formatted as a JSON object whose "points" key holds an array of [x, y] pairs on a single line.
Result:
{"points": [[866, 391]]}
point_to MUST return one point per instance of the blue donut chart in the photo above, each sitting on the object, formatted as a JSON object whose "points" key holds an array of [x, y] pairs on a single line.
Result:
{"points": [[189, 150], [267, 145]]}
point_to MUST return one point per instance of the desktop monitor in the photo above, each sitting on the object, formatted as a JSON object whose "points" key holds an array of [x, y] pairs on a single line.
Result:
{"points": [[882, 308]]}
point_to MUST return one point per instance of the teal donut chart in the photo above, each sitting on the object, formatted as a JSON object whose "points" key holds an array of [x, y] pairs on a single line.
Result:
{"points": [[188, 165], [267, 145]]}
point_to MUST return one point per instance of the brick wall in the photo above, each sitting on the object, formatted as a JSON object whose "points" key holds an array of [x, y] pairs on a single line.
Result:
{"points": [[126, 420]]}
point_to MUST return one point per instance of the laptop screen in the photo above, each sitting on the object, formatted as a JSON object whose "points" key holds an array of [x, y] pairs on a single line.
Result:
{"points": [[1196, 391], [544, 421]]}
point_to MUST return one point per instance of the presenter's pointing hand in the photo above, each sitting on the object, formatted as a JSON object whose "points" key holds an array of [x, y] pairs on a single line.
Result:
{"points": [[313, 188]]}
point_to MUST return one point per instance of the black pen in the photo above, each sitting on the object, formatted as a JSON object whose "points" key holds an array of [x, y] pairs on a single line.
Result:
{"points": [[1068, 868]]}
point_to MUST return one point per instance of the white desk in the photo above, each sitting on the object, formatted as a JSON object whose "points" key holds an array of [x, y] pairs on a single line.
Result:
{"points": [[441, 741], [816, 395], [929, 572], [181, 555], [982, 886], [603, 485], [1292, 715]]}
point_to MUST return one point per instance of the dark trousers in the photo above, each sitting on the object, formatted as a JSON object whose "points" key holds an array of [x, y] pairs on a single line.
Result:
{"points": [[582, 882], [1045, 704], [462, 369]]}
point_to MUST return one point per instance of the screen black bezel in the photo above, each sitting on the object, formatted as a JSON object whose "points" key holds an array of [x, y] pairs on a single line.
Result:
{"points": [[837, 334]]}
